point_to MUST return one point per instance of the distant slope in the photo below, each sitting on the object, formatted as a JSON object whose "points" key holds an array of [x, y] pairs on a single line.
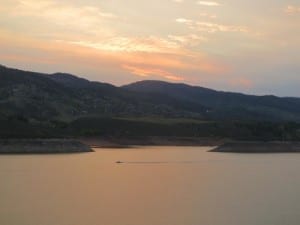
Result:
{"points": [[65, 97], [63, 105], [225, 105], [33, 95], [69, 80], [44, 97]]}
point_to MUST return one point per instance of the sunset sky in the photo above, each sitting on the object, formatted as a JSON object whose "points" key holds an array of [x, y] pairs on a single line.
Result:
{"points": [[236, 45]]}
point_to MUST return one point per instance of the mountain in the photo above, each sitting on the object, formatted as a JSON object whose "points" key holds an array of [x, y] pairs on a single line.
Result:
{"points": [[64, 97], [46, 97], [37, 105], [225, 105]]}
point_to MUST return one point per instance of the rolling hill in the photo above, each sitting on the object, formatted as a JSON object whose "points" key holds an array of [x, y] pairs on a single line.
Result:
{"points": [[225, 105], [63, 105], [65, 97], [45, 97]]}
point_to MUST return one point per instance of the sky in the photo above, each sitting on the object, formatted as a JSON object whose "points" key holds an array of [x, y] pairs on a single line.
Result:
{"points": [[233, 45]]}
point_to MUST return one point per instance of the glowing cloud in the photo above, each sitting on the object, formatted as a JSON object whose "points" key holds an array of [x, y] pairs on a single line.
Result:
{"points": [[208, 3], [208, 15], [127, 44], [145, 72], [183, 20], [57, 9], [190, 39], [290, 9], [84, 19], [195, 40], [214, 27]]}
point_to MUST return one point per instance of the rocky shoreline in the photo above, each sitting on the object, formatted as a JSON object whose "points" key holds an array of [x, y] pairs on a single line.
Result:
{"points": [[128, 142], [258, 147], [42, 146], [54, 146]]}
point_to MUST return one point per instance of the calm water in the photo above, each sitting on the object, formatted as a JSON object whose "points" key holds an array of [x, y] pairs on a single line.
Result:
{"points": [[155, 186]]}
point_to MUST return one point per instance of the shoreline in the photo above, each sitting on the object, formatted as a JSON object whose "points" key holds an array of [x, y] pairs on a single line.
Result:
{"points": [[258, 147], [42, 146], [86, 144], [130, 142]]}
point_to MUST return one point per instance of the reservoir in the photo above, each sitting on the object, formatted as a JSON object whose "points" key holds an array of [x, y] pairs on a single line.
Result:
{"points": [[150, 186]]}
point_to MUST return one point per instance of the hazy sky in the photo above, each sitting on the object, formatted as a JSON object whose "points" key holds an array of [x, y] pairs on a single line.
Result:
{"points": [[237, 45]]}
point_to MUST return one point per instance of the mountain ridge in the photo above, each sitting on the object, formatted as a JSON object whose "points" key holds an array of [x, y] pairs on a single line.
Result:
{"points": [[218, 99], [63, 96]]}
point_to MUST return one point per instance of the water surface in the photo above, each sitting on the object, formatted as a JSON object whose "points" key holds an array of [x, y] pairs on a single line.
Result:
{"points": [[154, 186]]}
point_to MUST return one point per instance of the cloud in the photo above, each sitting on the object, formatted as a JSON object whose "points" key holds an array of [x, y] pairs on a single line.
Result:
{"points": [[146, 71], [80, 43], [214, 27], [208, 3], [290, 9], [189, 40], [150, 44], [56, 9], [84, 19], [169, 53], [208, 15], [178, 65], [211, 27], [183, 20]]}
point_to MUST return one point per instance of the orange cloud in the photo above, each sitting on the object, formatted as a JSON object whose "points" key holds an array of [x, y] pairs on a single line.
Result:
{"points": [[211, 27], [155, 53], [185, 62], [129, 44], [145, 72], [189, 39], [85, 19], [291, 9], [208, 3], [56, 10], [142, 63], [208, 15], [214, 27], [183, 20]]}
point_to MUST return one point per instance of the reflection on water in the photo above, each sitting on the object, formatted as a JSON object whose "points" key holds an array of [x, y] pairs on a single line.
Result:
{"points": [[152, 186]]}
